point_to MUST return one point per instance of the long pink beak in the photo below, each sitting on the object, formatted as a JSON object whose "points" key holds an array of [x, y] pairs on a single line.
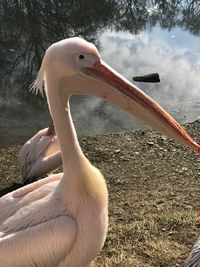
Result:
{"points": [[130, 98]]}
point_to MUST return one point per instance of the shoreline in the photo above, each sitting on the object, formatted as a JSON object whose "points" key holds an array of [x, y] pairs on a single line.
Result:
{"points": [[20, 140]]}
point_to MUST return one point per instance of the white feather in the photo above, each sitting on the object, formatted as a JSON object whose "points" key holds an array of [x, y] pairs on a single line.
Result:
{"points": [[38, 85]]}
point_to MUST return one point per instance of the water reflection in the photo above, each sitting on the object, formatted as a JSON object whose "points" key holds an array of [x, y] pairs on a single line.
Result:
{"points": [[173, 54], [135, 37]]}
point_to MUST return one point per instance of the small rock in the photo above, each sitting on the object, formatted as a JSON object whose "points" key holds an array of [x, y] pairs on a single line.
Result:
{"points": [[117, 151], [159, 202], [163, 138], [150, 143], [183, 169], [125, 159], [120, 181]]}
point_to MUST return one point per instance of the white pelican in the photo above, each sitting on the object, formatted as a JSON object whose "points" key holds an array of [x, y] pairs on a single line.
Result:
{"points": [[41, 154], [62, 220]]}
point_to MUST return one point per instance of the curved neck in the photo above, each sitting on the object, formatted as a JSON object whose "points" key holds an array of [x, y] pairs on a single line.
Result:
{"points": [[70, 149]]}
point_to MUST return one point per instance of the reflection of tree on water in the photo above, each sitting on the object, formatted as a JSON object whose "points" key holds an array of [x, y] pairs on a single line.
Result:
{"points": [[29, 26]]}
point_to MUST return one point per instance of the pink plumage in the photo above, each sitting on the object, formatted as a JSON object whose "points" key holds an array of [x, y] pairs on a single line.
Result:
{"points": [[39, 156]]}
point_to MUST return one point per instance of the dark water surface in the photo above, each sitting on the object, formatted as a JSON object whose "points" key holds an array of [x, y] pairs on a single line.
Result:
{"points": [[134, 37]]}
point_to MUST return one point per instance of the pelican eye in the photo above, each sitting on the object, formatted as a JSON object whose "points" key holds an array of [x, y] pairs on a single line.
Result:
{"points": [[81, 57]]}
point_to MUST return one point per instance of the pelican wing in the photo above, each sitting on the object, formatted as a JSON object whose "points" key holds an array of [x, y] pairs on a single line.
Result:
{"points": [[39, 156], [31, 151], [25, 195], [44, 165], [30, 144], [42, 245], [33, 186]]}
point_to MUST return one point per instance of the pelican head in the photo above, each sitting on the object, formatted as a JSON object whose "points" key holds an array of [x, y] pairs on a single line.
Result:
{"points": [[78, 68]]}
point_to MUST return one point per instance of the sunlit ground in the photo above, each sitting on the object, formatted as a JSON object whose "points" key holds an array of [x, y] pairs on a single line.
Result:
{"points": [[154, 196]]}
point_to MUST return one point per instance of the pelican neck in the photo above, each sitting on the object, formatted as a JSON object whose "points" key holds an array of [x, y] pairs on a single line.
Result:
{"points": [[64, 127]]}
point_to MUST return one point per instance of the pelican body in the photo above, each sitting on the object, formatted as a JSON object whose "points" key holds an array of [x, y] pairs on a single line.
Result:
{"points": [[62, 220]]}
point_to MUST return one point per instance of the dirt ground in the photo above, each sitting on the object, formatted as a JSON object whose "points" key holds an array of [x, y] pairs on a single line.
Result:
{"points": [[154, 196]]}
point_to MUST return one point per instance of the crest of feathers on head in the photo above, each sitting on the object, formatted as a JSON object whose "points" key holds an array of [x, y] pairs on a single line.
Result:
{"points": [[38, 85]]}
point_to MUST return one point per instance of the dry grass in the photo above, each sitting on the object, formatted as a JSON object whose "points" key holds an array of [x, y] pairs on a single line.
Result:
{"points": [[161, 239], [154, 196]]}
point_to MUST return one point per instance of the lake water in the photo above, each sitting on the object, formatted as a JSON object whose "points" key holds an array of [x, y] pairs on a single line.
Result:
{"points": [[134, 37]]}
